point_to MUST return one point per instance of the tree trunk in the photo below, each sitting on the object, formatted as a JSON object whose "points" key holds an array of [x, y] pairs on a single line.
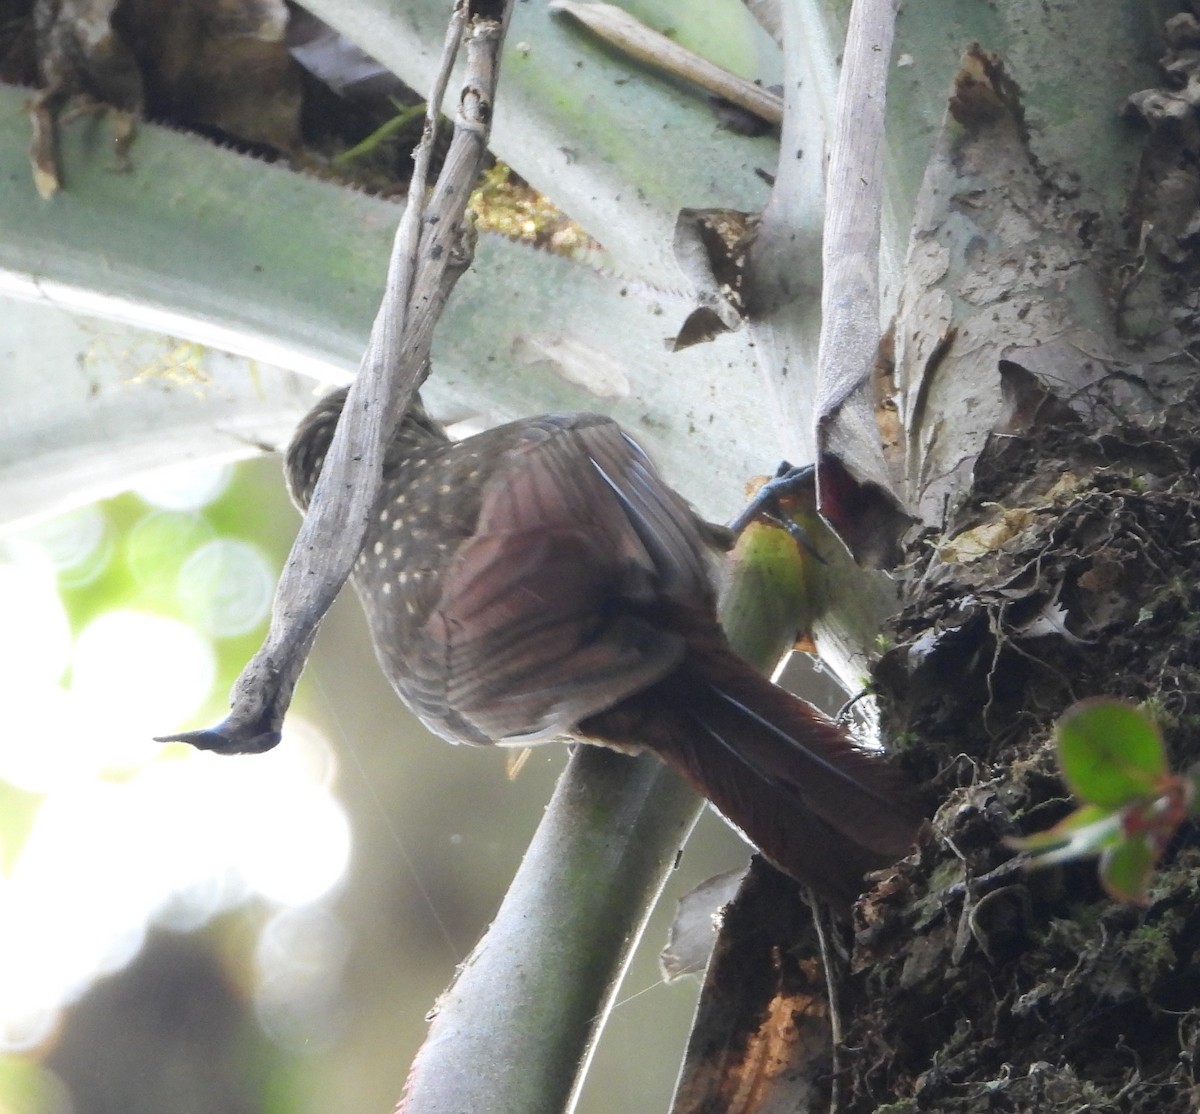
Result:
{"points": [[1045, 385]]}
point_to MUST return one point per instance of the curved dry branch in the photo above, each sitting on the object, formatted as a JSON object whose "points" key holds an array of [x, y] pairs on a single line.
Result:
{"points": [[429, 254]]}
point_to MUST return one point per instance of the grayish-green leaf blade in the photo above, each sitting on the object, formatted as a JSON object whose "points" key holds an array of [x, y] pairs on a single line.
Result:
{"points": [[620, 148], [210, 246]]}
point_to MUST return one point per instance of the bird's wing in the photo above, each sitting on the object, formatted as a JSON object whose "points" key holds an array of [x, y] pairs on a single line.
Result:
{"points": [[545, 615]]}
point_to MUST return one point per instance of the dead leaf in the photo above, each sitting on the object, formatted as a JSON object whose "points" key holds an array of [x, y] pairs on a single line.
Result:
{"points": [[987, 537]]}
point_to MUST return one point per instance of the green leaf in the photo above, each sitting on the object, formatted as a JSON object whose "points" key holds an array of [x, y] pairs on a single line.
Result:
{"points": [[1125, 868], [1074, 830], [1110, 752]]}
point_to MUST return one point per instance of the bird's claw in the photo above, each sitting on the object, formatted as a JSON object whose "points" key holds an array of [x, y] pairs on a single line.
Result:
{"points": [[767, 503]]}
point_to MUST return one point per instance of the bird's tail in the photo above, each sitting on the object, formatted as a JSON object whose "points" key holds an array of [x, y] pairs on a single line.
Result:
{"points": [[815, 803]]}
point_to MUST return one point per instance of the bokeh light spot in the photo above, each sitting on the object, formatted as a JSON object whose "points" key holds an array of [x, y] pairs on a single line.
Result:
{"points": [[301, 956], [187, 837], [157, 546], [135, 675], [78, 544], [225, 587]]}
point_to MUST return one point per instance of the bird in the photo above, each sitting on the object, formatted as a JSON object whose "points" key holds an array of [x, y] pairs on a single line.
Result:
{"points": [[540, 580]]}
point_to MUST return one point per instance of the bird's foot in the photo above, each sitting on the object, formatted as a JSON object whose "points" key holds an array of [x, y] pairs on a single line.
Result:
{"points": [[791, 489]]}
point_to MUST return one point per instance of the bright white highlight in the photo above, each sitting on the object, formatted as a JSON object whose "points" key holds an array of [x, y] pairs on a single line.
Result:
{"points": [[123, 831], [133, 673], [189, 836], [38, 642], [185, 489]]}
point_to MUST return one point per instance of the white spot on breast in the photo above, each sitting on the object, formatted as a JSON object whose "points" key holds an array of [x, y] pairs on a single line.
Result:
{"points": [[378, 548]]}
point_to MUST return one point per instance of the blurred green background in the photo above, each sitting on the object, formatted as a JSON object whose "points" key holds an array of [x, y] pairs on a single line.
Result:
{"points": [[187, 932]]}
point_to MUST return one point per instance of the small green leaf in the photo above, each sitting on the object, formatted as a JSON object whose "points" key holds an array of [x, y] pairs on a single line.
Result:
{"points": [[1125, 868], [1073, 829], [1110, 752], [1080, 818]]}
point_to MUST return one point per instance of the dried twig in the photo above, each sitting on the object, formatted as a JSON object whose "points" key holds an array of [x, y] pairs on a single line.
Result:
{"points": [[617, 26], [430, 251]]}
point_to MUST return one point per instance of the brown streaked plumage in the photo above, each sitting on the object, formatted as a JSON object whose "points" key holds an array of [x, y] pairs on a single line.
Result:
{"points": [[541, 580]]}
